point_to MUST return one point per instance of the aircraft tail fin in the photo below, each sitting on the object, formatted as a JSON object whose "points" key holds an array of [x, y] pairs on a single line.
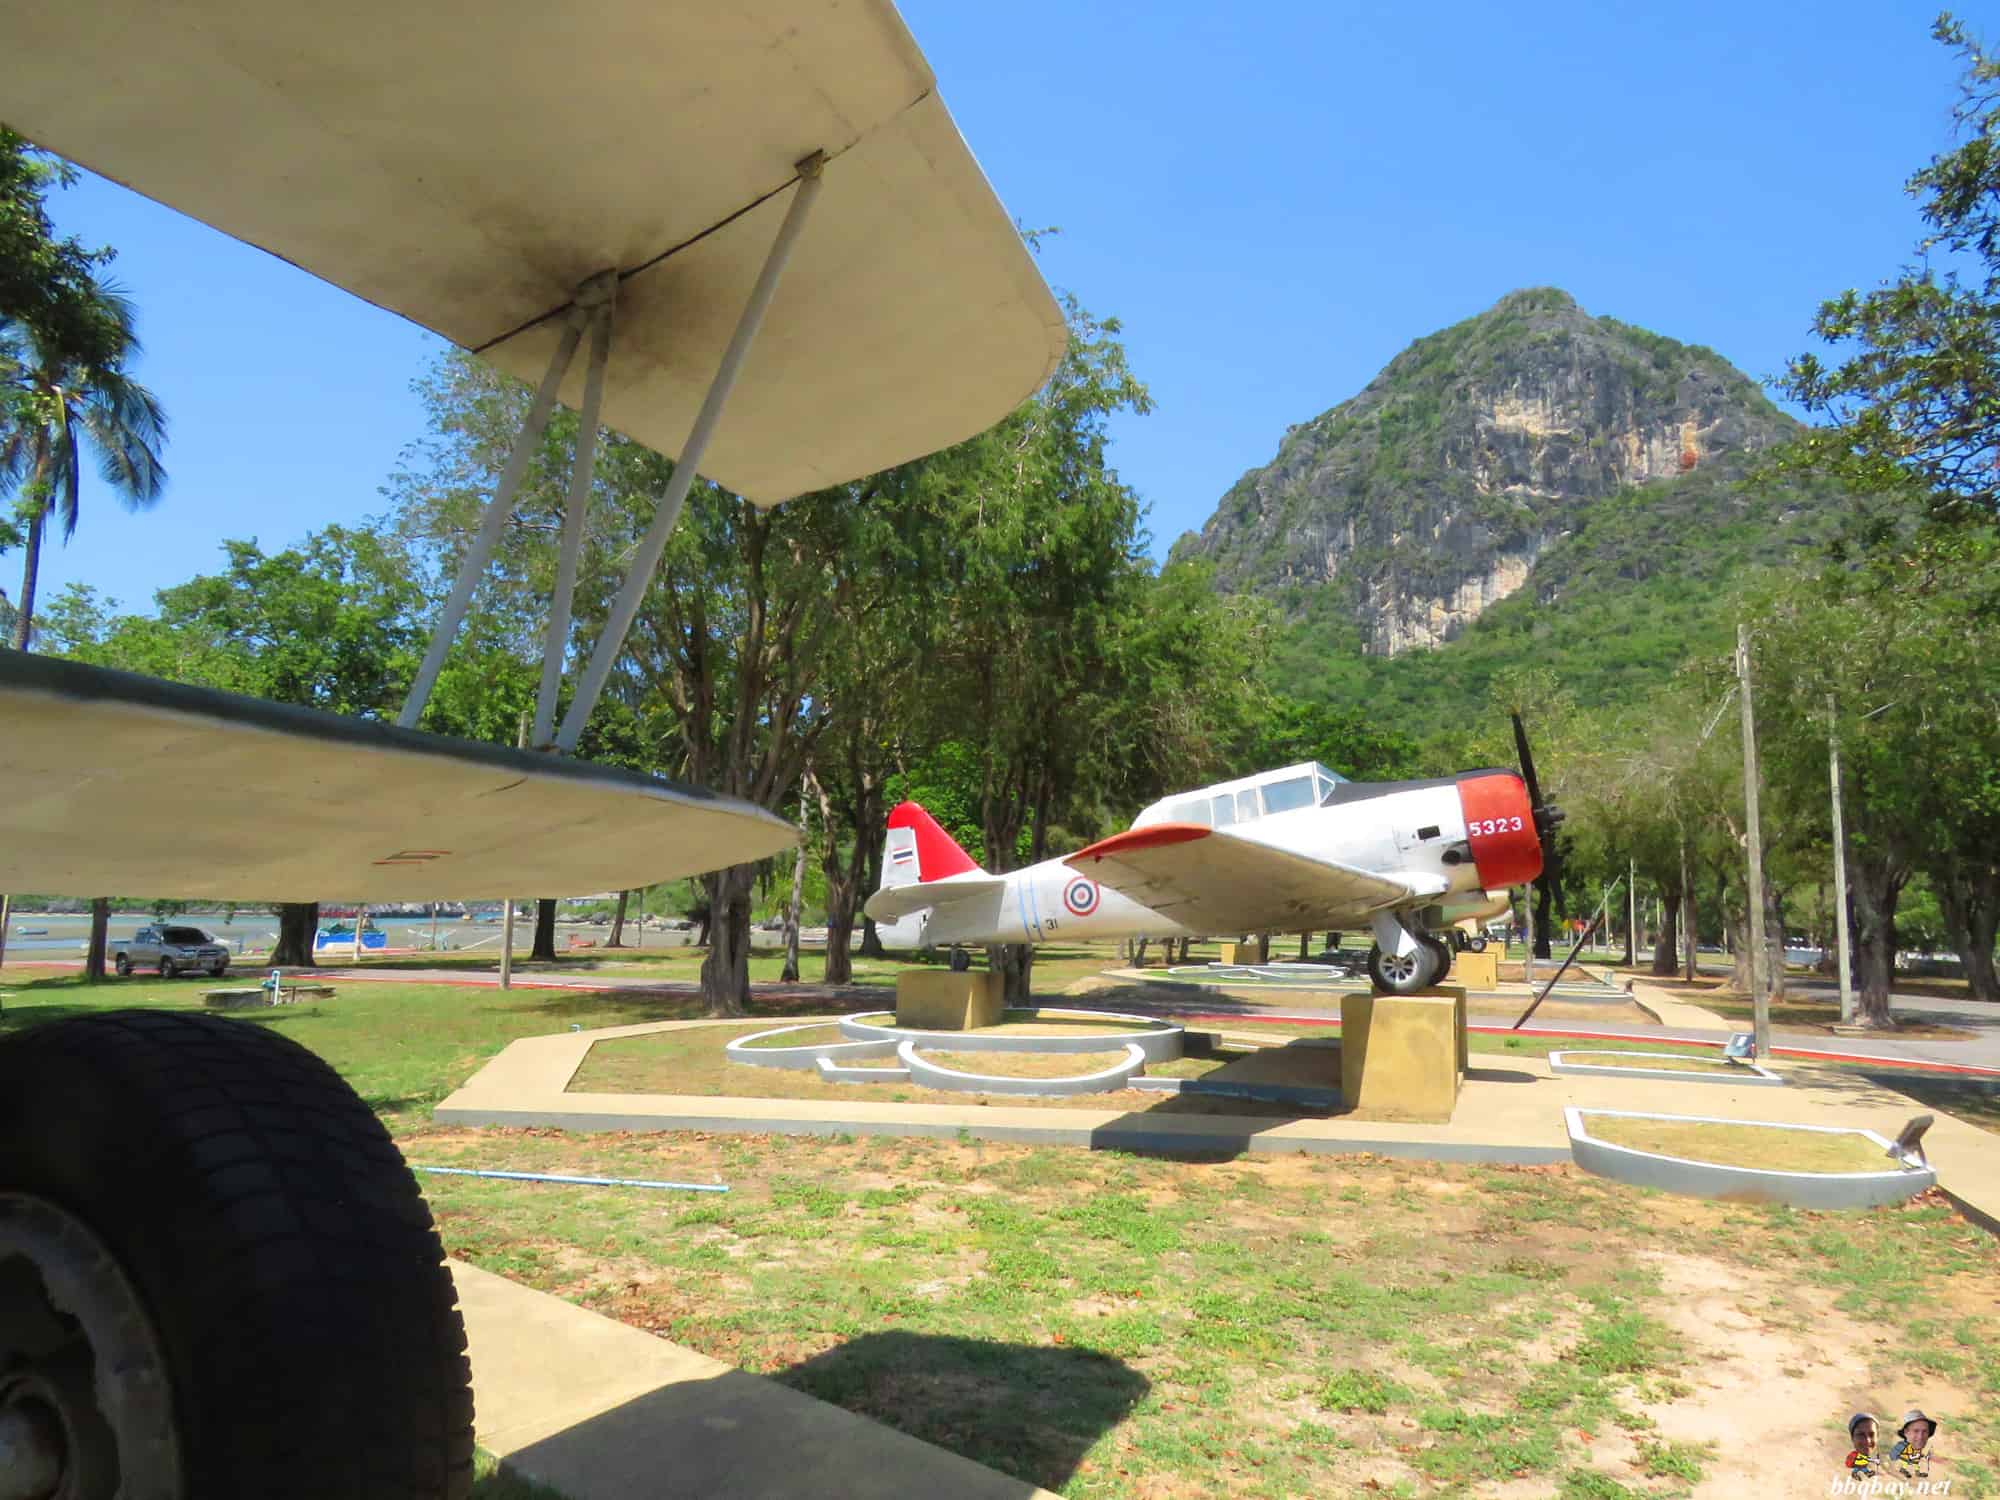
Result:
{"points": [[917, 850]]}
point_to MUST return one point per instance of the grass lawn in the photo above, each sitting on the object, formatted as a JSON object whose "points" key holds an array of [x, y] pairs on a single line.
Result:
{"points": [[1116, 1326], [1128, 1328], [691, 1061], [1027, 1064], [1743, 1145], [1602, 1057]]}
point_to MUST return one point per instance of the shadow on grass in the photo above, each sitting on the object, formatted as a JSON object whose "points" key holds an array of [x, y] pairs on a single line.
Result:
{"points": [[1029, 1412]]}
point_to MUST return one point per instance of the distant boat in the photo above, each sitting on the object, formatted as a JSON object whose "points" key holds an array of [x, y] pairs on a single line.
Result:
{"points": [[31, 931]]}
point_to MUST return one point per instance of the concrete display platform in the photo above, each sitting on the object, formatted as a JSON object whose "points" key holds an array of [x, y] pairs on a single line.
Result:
{"points": [[602, 1411], [1567, 1063], [1510, 1111], [1895, 1183]]}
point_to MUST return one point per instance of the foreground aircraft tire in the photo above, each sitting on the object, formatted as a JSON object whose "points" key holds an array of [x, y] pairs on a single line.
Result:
{"points": [[1400, 976], [217, 1276]]}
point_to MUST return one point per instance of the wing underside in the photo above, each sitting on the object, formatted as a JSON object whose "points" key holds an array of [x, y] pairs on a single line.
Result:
{"points": [[1213, 881]]}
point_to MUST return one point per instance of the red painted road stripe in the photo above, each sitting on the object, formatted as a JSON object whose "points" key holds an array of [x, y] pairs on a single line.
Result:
{"points": [[1971, 1070]]}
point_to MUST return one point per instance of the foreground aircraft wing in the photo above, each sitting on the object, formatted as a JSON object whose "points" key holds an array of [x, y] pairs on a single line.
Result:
{"points": [[893, 903], [1210, 880], [115, 782], [468, 166]]}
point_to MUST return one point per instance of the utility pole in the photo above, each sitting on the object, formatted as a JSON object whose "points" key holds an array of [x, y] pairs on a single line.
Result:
{"points": [[1839, 865], [1760, 1000], [1633, 911]]}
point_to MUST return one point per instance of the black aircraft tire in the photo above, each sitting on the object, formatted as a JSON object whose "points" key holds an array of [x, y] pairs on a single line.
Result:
{"points": [[1392, 979], [274, 1239], [1441, 953]]}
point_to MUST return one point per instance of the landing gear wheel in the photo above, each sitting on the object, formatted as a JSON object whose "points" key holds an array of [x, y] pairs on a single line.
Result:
{"points": [[1476, 944], [960, 961], [1404, 974], [1441, 953], [217, 1277], [123, 964]]}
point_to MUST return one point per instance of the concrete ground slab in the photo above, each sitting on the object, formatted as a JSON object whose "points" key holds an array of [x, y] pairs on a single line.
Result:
{"points": [[1510, 1110], [601, 1411]]}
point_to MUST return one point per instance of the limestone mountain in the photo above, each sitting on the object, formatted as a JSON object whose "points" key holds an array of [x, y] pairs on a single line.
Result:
{"points": [[1530, 451]]}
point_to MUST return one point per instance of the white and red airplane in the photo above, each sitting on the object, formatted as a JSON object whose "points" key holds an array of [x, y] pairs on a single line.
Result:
{"points": [[1295, 850]]}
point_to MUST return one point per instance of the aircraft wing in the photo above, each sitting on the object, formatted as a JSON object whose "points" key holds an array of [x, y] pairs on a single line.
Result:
{"points": [[893, 903], [467, 166], [1212, 880]]}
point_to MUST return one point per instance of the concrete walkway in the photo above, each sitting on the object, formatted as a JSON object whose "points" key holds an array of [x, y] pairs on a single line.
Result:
{"points": [[601, 1411]]}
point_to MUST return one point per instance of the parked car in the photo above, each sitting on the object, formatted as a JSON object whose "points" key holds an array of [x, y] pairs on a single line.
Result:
{"points": [[170, 950]]}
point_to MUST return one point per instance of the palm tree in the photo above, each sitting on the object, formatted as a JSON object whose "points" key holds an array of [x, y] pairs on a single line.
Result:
{"points": [[60, 400]]}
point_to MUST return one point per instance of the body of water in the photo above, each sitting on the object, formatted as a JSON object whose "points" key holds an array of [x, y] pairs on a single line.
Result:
{"points": [[250, 934]]}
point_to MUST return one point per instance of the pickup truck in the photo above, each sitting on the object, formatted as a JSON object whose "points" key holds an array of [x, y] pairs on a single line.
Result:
{"points": [[170, 950]]}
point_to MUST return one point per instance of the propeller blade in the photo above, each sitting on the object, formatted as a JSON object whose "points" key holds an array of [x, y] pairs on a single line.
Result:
{"points": [[1527, 764]]}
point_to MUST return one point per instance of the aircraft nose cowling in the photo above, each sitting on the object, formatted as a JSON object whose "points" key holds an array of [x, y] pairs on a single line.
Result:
{"points": [[1500, 825]]}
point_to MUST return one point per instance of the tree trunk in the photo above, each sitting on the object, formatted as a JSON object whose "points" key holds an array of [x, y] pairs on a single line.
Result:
{"points": [[617, 939], [1666, 953], [1970, 900], [298, 921], [545, 931], [1305, 946], [725, 973], [100, 927], [31, 567], [1876, 888], [1543, 922], [791, 973], [1015, 963], [1774, 948]]}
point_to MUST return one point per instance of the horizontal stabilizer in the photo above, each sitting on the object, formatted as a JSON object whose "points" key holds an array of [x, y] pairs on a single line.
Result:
{"points": [[893, 903]]}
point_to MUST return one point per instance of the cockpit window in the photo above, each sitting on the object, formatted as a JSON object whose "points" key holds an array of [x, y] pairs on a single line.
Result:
{"points": [[1283, 796], [1225, 810], [1189, 812], [1246, 805]]}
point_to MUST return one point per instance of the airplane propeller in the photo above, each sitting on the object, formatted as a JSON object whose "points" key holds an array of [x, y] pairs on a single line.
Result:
{"points": [[1547, 817]]}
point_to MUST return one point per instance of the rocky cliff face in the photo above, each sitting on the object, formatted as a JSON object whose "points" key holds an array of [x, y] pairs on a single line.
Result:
{"points": [[1432, 494]]}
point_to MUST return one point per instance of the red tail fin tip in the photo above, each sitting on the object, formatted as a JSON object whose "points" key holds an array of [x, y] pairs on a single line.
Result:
{"points": [[938, 854]]}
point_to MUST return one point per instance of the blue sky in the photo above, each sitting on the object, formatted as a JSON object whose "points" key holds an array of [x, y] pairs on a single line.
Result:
{"points": [[1273, 197]]}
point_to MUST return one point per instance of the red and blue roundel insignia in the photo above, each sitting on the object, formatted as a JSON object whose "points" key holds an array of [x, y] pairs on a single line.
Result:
{"points": [[1080, 897]]}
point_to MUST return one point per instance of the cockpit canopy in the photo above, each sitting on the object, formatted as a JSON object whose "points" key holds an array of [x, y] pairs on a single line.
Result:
{"points": [[1245, 800]]}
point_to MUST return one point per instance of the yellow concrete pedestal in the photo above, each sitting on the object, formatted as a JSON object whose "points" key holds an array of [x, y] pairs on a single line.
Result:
{"points": [[939, 1000], [1237, 953], [1402, 1057], [1478, 971]]}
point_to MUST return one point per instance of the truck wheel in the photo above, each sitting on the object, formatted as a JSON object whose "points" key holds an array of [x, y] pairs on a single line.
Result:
{"points": [[167, 969], [122, 963], [217, 1277]]}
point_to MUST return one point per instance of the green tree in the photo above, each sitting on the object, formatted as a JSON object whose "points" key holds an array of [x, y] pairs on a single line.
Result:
{"points": [[327, 624], [1905, 643], [1916, 396], [64, 400]]}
